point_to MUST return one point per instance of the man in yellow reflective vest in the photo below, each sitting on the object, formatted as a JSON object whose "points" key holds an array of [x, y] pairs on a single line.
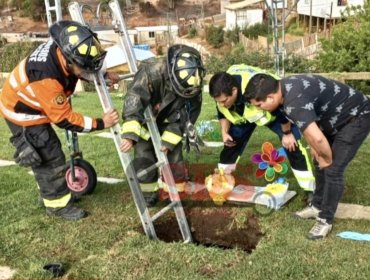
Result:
{"points": [[238, 119], [172, 85]]}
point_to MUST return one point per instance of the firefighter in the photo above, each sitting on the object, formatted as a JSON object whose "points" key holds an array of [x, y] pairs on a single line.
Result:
{"points": [[238, 119], [35, 95], [172, 85]]}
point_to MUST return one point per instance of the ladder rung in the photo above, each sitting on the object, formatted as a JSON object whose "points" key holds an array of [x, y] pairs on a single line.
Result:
{"points": [[144, 172], [164, 210]]}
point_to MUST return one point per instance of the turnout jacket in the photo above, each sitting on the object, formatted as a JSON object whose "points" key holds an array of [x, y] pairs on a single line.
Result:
{"points": [[37, 91], [152, 86]]}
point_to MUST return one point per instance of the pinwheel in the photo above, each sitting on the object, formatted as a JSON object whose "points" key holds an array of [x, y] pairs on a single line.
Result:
{"points": [[270, 162]]}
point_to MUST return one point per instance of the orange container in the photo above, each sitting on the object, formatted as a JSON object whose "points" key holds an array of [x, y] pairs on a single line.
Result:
{"points": [[219, 186]]}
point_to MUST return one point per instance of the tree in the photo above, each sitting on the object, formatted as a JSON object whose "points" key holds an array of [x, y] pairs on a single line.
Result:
{"points": [[348, 49]]}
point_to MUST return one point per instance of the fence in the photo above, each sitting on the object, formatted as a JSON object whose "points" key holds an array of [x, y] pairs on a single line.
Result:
{"points": [[307, 46]]}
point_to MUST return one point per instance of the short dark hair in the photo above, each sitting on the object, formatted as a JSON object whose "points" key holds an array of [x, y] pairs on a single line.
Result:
{"points": [[260, 86], [222, 83]]}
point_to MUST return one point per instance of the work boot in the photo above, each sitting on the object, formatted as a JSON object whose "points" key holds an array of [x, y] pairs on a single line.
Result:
{"points": [[310, 212], [68, 212], [320, 230], [151, 198]]}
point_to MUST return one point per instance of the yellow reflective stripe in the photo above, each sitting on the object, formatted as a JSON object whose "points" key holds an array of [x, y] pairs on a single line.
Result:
{"points": [[305, 179], [231, 116], [171, 137], [136, 128], [131, 127], [180, 187], [144, 133], [59, 202], [149, 187], [305, 154]]}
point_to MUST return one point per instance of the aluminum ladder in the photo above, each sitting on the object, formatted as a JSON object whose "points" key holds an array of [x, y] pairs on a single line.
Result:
{"points": [[56, 8], [163, 165]]}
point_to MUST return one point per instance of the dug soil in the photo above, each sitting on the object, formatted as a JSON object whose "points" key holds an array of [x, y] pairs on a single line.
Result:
{"points": [[212, 226]]}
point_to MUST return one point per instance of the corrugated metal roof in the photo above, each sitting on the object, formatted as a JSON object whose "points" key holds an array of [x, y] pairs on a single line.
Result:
{"points": [[242, 4]]}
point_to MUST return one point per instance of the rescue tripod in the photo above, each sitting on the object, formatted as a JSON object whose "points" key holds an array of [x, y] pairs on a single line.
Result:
{"points": [[126, 161]]}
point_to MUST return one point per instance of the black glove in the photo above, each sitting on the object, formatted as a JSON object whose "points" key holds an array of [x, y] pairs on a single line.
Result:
{"points": [[192, 138], [25, 154]]}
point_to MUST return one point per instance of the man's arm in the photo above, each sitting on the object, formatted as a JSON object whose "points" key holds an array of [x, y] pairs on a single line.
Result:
{"points": [[226, 137], [320, 145], [288, 140]]}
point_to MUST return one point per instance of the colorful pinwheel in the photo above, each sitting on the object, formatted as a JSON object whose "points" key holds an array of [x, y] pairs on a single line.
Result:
{"points": [[270, 162]]}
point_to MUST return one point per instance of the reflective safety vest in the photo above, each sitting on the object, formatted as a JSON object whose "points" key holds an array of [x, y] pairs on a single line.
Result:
{"points": [[251, 113]]}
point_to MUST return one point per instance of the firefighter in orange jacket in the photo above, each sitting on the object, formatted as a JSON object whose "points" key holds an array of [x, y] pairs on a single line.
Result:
{"points": [[36, 95], [172, 86]]}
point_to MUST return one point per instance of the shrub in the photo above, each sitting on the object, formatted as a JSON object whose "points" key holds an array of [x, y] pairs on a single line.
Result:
{"points": [[3, 41], [238, 56], [215, 36], [233, 35], [11, 54], [192, 32], [258, 29]]}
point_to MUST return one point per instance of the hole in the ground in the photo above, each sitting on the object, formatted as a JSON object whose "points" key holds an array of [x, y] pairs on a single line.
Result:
{"points": [[213, 226]]}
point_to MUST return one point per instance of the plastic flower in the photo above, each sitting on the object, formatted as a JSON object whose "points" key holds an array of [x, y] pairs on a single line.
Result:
{"points": [[270, 162]]}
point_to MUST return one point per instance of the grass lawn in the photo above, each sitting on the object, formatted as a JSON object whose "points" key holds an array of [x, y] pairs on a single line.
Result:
{"points": [[107, 245]]}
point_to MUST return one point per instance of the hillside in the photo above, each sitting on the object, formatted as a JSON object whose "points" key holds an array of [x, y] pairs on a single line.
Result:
{"points": [[154, 13]]}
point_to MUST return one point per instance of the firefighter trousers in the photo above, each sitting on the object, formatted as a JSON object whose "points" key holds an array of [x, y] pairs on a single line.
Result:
{"points": [[50, 173], [144, 157]]}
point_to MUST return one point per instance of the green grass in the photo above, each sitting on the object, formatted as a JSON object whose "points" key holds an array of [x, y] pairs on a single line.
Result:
{"points": [[106, 245]]}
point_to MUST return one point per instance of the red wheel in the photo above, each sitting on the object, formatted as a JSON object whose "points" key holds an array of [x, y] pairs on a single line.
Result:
{"points": [[85, 177]]}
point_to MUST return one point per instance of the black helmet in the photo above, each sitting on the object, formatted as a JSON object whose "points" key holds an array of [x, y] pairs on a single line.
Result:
{"points": [[78, 44], [186, 70]]}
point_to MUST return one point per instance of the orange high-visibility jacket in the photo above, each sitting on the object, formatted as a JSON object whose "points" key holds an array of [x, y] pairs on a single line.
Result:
{"points": [[37, 91]]}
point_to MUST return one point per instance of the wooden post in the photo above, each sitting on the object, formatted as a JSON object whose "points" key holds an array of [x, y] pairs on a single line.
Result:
{"points": [[317, 24], [310, 21]]}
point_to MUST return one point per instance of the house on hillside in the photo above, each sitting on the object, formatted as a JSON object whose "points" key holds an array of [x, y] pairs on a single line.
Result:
{"points": [[244, 13], [323, 11], [150, 35], [326, 8]]}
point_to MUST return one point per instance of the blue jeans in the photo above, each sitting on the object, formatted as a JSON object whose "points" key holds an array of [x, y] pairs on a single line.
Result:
{"points": [[330, 181]]}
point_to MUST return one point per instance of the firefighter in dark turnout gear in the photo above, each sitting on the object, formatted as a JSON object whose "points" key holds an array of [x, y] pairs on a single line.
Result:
{"points": [[172, 86], [238, 119], [35, 95]]}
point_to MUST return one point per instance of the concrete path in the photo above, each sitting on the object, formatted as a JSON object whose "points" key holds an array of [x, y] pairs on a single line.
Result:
{"points": [[6, 272], [352, 211]]}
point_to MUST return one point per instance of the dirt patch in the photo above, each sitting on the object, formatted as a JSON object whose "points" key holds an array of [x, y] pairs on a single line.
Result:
{"points": [[213, 226]]}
